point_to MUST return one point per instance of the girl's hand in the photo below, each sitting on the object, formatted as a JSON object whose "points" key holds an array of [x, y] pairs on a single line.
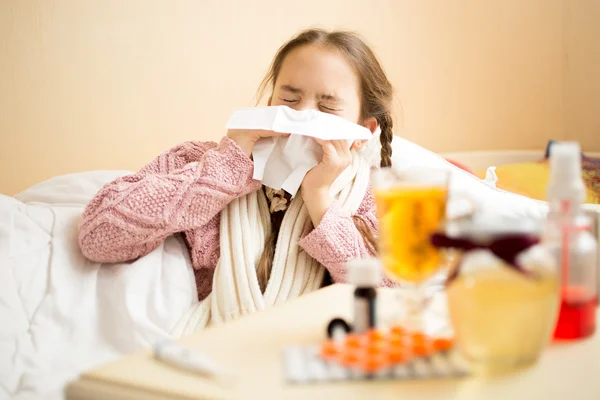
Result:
{"points": [[336, 158], [247, 138], [315, 187]]}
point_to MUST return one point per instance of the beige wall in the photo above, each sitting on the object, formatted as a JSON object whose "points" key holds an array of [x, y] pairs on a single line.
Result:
{"points": [[110, 84], [582, 72]]}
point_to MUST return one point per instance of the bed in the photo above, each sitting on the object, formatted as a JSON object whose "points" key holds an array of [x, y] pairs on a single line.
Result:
{"points": [[66, 314]]}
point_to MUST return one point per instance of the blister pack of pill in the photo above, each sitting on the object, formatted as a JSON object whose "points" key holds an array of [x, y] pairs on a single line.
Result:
{"points": [[304, 365], [377, 355]]}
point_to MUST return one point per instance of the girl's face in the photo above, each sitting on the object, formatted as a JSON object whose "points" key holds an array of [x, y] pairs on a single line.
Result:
{"points": [[315, 77]]}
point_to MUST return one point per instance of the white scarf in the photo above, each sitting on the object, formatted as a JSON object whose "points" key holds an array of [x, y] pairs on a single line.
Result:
{"points": [[235, 289]]}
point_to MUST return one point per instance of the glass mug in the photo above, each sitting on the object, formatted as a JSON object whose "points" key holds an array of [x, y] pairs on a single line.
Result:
{"points": [[503, 296], [411, 206]]}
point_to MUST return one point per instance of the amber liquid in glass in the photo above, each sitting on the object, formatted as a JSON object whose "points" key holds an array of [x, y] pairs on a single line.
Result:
{"points": [[502, 319], [408, 216]]}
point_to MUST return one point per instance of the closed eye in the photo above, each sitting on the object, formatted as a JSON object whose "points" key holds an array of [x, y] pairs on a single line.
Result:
{"points": [[329, 109], [289, 100]]}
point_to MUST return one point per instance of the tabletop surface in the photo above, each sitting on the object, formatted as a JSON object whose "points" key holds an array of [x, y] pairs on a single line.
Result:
{"points": [[250, 348]]}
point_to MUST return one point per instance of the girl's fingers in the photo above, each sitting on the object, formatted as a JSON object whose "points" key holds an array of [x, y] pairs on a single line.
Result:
{"points": [[341, 145], [264, 133], [257, 133], [325, 144], [338, 145]]}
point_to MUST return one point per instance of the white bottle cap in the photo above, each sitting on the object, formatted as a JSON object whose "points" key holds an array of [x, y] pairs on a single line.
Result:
{"points": [[565, 173], [364, 272]]}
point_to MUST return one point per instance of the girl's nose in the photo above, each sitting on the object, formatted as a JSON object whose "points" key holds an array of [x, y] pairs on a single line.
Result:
{"points": [[306, 105]]}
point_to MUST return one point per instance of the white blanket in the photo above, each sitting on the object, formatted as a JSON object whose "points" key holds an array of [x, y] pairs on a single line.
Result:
{"points": [[60, 313]]}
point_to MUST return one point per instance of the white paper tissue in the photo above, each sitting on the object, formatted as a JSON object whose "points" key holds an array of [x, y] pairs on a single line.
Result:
{"points": [[282, 163]]}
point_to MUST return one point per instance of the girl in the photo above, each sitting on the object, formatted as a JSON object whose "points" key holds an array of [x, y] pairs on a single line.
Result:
{"points": [[201, 189]]}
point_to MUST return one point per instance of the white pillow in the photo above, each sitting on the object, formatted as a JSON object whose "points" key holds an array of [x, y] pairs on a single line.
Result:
{"points": [[407, 155], [77, 188]]}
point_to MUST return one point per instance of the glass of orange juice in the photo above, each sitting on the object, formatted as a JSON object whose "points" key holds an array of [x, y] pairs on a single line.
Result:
{"points": [[411, 206]]}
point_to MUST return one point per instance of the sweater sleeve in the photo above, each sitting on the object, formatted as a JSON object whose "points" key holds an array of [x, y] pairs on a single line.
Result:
{"points": [[336, 240], [180, 190]]}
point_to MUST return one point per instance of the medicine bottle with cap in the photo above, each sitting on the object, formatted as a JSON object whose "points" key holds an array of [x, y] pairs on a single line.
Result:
{"points": [[365, 275], [574, 247]]}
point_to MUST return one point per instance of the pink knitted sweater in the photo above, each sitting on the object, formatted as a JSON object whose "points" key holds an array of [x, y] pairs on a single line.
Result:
{"points": [[184, 190]]}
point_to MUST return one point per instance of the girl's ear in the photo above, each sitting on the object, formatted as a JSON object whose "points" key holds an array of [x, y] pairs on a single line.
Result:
{"points": [[269, 102], [371, 124]]}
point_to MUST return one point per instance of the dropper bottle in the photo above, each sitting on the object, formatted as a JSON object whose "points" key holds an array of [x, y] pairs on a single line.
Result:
{"points": [[570, 240], [365, 275]]}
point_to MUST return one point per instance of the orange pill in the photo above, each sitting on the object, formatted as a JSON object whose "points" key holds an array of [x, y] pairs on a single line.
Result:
{"points": [[354, 341], [397, 355], [443, 344], [419, 338], [376, 347], [398, 341], [329, 349], [350, 358], [373, 363], [375, 335], [420, 349], [397, 330]]}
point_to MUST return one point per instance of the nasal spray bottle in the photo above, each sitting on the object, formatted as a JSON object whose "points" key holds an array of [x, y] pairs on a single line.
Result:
{"points": [[575, 248]]}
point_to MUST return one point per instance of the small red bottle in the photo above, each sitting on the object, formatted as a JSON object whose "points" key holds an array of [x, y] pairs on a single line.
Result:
{"points": [[575, 248], [579, 298]]}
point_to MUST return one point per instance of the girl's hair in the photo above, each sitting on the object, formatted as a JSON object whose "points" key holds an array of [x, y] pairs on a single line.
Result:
{"points": [[376, 101]]}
